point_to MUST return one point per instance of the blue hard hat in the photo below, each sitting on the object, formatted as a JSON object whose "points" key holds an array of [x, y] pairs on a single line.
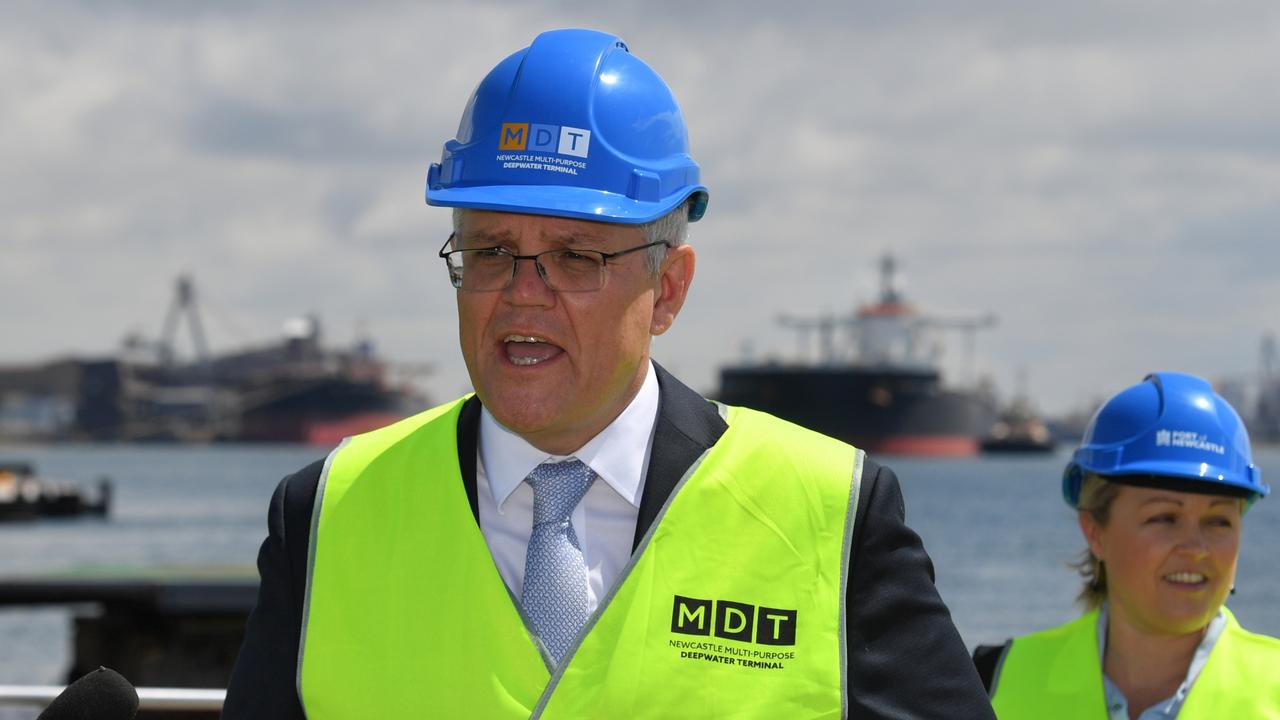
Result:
{"points": [[576, 126], [1170, 429]]}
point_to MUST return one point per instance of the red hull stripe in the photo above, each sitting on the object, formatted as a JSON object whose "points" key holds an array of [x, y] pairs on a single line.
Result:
{"points": [[931, 445], [331, 432]]}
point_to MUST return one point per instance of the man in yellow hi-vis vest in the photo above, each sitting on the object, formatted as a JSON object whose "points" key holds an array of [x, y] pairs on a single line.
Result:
{"points": [[586, 537]]}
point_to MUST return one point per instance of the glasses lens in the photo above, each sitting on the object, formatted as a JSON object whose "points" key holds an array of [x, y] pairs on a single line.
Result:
{"points": [[485, 269], [574, 270]]}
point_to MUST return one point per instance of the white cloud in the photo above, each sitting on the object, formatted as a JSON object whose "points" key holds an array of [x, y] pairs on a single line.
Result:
{"points": [[1104, 176]]}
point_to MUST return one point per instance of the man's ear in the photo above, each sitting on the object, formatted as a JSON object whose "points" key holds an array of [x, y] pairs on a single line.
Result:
{"points": [[673, 287]]}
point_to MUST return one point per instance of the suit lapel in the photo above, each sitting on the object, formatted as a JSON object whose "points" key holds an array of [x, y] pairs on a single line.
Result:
{"points": [[468, 438], [687, 426]]}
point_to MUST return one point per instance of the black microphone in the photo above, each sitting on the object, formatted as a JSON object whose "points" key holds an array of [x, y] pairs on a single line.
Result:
{"points": [[103, 694]]}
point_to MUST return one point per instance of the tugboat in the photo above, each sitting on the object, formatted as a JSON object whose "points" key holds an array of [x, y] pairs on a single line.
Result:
{"points": [[1018, 430], [884, 392], [23, 496]]}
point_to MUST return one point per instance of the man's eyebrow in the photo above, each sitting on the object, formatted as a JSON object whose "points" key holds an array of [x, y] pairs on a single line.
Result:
{"points": [[481, 237], [579, 238], [488, 238]]}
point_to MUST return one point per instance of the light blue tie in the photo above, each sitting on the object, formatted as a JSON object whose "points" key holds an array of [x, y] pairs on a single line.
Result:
{"points": [[555, 577]]}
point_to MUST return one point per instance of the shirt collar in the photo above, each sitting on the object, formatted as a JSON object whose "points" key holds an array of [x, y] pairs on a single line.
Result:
{"points": [[618, 454]]}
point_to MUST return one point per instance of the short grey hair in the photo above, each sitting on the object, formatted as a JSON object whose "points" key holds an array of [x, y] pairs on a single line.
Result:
{"points": [[672, 228]]}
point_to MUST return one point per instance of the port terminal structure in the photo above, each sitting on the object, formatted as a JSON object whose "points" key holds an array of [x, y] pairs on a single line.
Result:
{"points": [[172, 631], [296, 389]]}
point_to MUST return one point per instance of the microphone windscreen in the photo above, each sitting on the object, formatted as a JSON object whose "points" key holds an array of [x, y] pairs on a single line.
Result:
{"points": [[103, 694]]}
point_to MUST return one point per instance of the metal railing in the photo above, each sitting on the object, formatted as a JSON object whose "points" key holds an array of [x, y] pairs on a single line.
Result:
{"points": [[150, 698]]}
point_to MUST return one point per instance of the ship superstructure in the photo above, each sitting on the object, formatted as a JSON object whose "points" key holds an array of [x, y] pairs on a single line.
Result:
{"points": [[877, 382]]}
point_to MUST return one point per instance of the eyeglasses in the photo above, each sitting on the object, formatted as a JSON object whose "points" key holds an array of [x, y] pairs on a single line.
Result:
{"points": [[563, 270]]}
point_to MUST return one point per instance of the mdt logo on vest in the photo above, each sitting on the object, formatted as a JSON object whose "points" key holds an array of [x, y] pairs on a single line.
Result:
{"points": [[733, 621], [560, 139]]}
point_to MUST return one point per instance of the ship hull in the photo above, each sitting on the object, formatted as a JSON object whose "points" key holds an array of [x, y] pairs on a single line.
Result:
{"points": [[320, 412], [886, 411]]}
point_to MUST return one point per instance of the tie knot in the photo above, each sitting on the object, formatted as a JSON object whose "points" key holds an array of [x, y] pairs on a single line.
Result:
{"points": [[558, 488]]}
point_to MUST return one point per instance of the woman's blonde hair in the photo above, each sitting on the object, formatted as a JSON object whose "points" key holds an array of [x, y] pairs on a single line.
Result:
{"points": [[1096, 497]]}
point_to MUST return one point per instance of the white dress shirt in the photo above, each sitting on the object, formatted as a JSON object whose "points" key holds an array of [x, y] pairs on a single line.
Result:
{"points": [[605, 520]]}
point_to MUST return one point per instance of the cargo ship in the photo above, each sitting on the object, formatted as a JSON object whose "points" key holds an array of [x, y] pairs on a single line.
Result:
{"points": [[290, 390], [881, 389]]}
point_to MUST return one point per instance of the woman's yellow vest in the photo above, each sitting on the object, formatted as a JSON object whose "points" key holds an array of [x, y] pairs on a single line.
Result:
{"points": [[732, 606], [1057, 673]]}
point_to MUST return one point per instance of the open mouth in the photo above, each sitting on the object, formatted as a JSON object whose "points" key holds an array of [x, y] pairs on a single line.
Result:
{"points": [[528, 350], [1186, 579]]}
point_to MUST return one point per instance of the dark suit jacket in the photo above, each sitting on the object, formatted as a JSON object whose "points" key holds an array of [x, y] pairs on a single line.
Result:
{"points": [[906, 659]]}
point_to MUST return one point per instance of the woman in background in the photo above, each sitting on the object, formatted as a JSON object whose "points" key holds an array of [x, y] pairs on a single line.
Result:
{"points": [[1162, 479]]}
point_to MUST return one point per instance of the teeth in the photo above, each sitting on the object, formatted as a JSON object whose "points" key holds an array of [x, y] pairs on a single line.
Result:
{"points": [[1185, 577], [529, 339]]}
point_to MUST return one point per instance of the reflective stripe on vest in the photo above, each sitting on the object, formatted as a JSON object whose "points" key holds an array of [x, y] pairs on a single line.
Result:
{"points": [[732, 605], [1056, 673]]}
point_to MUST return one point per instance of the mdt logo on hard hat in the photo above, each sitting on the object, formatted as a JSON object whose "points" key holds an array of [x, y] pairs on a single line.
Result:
{"points": [[733, 621], [560, 139]]}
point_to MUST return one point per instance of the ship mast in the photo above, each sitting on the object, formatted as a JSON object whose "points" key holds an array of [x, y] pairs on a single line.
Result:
{"points": [[888, 274]]}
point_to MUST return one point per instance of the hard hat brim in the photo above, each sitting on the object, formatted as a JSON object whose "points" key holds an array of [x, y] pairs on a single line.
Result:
{"points": [[1212, 477], [1182, 484], [567, 201], [1167, 475]]}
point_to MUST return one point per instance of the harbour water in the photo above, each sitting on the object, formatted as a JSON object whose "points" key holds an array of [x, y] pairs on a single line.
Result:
{"points": [[997, 529]]}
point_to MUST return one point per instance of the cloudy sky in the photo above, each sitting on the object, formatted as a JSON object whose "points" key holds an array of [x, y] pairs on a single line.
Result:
{"points": [[1104, 176]]}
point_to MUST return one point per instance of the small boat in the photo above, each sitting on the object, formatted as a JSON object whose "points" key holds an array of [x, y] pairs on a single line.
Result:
{"points": [[1018, 430], [24, 496]]}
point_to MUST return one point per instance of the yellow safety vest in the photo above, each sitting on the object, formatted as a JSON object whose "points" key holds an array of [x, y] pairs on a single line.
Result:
{"points": [[1056, 673], [731, 607]]}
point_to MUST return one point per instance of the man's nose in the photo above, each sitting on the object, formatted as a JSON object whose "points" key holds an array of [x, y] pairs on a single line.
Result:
{"points": [[528, 281]]}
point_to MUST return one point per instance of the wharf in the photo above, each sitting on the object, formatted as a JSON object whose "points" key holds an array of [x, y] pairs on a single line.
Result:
{"points": [[165, 626]]}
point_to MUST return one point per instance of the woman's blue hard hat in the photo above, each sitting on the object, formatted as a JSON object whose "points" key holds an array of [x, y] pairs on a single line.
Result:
{"points": [[1171, 428], [574, 126]]}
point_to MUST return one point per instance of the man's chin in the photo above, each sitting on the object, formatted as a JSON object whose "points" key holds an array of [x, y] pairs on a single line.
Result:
{"points": [[521, 414]]}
